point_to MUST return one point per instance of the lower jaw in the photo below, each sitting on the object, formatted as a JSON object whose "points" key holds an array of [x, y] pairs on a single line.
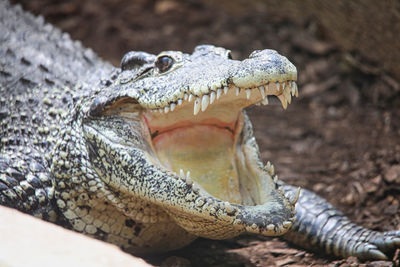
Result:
{"points": [[208, 153]]}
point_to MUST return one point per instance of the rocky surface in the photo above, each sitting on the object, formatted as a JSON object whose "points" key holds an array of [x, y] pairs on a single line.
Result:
{"points": [[27, 241]]}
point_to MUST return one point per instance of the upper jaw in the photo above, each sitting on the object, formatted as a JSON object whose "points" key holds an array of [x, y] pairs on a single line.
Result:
{"points": [[284, 90], [203, 80]]}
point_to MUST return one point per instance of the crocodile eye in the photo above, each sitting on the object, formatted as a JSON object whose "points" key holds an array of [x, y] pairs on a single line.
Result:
{"points": [[164, 63]]}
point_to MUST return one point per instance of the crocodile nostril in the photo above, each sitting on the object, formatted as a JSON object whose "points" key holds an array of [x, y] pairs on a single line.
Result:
{"points": [[262, 53]]}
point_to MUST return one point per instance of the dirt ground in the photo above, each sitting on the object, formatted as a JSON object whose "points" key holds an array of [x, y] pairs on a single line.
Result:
{"points": [[340, 138]]}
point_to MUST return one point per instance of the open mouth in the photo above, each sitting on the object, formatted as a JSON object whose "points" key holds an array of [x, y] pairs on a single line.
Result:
{"points": [[179, 139], [202, 139]]}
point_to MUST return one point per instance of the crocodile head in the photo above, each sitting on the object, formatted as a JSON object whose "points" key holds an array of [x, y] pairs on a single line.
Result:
{"points": [[170, 130]]}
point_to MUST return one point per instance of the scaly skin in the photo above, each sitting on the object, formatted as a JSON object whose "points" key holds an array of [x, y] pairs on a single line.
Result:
{"points": [[83, 145]]}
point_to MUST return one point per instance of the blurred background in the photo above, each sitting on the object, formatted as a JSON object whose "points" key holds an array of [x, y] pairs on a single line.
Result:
{"points": [[340, 138]]}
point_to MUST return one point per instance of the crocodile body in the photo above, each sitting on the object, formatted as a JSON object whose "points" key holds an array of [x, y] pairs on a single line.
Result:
{"points": [[151, 155]]}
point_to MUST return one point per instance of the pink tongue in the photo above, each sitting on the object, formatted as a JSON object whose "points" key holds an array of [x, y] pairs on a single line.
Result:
{"points": [[207, 152]]}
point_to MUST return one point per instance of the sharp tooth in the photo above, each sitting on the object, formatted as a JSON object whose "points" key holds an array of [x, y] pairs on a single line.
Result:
{"points": [[179, 102], [181, 173], [225, 90], [278, 86], [248, 93], [270, 227], [268, 166], [166, 109], [172, 106], [275, 178], [287, 95], [205, 100], [219, 92], [283, 86], [287, 224], [237, 90], [188, 180], [294, 85], [212, 97], [265, 101], [283, 101], [190, 98], [289, 86], [196, 107], [295, 197], [292, 89], [262, 91], [185, 96]]}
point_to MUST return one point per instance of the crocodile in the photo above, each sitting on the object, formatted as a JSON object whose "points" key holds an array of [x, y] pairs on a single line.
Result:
{"points": [[154, 153]]}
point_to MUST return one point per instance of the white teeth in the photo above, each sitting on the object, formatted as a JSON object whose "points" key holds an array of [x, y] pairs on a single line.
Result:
{"points": [[277, 86], [283, 101], [181, 173], [270, 227], [276, 179], [287, 95], [292, 89], [248, 93], [219, 92], [188, 180], [286, 91], [262, 91], [265, 101], [196, 107], [271, 170], [287, 224], [294, 85], [294, 197], [268, 166], [289, 85], [205, 100], [212, 97]]}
